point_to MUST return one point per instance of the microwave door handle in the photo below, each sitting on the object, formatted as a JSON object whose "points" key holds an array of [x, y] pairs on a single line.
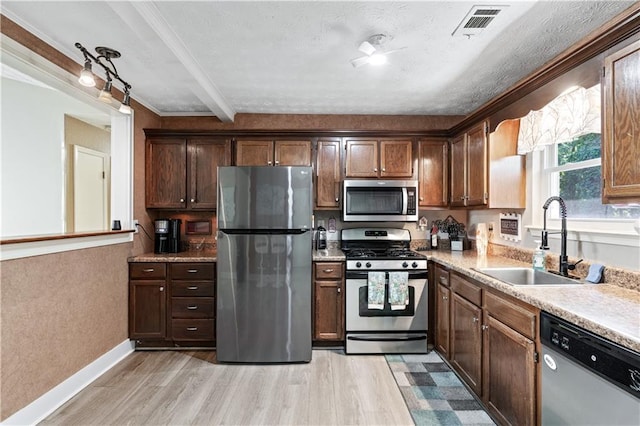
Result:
{"points": [[405, 201]]}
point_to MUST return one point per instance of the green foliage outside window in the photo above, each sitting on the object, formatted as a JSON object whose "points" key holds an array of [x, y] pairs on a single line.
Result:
{"points": [[582, 188]]}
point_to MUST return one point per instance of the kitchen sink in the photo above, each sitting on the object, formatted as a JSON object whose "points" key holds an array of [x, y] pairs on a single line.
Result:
{"points": [[527, 276]]}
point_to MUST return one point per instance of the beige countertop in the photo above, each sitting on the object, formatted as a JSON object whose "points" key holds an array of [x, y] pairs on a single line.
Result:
{"points": [[605, 309]]}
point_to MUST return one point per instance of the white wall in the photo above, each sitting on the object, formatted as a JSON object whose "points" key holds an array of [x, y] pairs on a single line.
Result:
{"points": [[32, 165]]}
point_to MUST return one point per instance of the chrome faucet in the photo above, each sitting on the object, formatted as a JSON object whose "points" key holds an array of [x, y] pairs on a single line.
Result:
{"points": [[564, 261]]}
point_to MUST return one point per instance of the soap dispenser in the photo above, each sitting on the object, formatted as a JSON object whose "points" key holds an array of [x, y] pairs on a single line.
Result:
{"points": [[538, 257]]}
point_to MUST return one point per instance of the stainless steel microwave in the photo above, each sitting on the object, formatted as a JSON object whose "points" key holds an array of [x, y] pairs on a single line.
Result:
{"points": [[380, 200]]}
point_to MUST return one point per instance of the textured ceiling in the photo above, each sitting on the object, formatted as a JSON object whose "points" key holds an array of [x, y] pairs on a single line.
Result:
{"points": [[222, 58]]}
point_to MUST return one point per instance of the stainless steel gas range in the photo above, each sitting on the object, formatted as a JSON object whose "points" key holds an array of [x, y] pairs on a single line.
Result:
{"points": [[379, 261]]}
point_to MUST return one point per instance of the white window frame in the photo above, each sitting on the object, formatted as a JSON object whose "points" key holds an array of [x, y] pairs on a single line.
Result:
{"points": [[624, 232]]}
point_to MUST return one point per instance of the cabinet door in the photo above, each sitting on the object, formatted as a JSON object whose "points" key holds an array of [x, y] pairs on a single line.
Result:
{"points": [[621, 132], [292, 153], [166, 173], [361, 158], [458, 171], [396, 158], [204, 158], [466, 341], [328, 318], [476, 180], [147, 309], [509, 374], [254, 153], [328, 323], [328, 174], [433, 171], [442, 320]]}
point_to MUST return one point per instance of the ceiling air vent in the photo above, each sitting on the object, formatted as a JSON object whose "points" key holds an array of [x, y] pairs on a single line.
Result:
{"points": [[478, 18]]}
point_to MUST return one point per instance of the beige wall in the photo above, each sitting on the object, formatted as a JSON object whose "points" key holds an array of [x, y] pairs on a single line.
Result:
{"points": [[77, 132]]}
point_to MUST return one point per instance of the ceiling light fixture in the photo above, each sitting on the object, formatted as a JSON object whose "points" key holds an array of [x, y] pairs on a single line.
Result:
{"points": [[87, 78]]}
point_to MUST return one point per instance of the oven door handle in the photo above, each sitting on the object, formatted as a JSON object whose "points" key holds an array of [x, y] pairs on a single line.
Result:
{"points": [[363, 275], [387, 339]]}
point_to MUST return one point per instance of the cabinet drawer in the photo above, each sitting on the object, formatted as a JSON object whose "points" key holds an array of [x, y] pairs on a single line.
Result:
{"points": [[195, 288], [147, 270], [193, 329], [466, 289], [442, 275], [192, 307], [328, 270], [192, 271], [517, 317]]}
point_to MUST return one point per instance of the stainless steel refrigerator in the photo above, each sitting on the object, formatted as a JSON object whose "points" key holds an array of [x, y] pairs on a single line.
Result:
{"points": [[264, 264]]}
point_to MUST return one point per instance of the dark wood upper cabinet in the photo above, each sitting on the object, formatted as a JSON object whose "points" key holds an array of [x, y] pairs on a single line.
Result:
{"points": [[458, 170], [621, 132], [269, 152], [166, 171], [477, 193], [204, 158], [327, 183], [376, 158], [433, 173], [182, 174]]}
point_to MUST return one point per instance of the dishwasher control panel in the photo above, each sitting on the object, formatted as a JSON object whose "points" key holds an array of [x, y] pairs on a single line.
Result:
{"points": [[609, 360]]}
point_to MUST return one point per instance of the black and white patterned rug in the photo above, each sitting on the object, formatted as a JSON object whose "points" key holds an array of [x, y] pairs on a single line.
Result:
{"points": [[433, 393]]}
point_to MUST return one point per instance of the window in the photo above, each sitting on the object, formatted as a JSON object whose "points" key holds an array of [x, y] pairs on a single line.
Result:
{"points": [[574, 173]]}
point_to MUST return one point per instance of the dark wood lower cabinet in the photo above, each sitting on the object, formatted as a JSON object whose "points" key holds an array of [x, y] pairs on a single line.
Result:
{"points": [[328, 307], [493, 346], [466, 341], [172, 304], [509, 374]]}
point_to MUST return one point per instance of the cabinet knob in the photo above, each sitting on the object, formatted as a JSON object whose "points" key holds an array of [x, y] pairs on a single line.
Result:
{"points": [[193, 200], [277, 162], [327, 271], [485, 327], [445, 298], [161, 288], [148, 270], [384, 170], [192, 308], [182, 200], [192, 287], [268, 163], [192, 328], [421, 199], [375, 169], [192, 271], [475, 319], [339, 290]]}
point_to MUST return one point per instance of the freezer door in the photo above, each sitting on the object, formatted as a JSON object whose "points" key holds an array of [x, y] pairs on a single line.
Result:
{"points": [[263, 298], [264, 197]]}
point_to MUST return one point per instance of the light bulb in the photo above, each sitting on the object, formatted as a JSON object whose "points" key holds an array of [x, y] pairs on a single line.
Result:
{"points": [[377, 59], [105, 93], [86, 76]]}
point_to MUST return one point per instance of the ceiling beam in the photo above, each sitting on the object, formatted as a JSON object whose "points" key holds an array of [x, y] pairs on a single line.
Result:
{"points": [[206, 89]]}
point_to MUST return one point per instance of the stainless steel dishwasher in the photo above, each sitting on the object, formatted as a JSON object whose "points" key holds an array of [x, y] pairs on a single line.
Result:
{"points": [[586, 379]]}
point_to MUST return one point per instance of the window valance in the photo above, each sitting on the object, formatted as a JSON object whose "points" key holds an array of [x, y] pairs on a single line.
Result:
{"points": [[565, 118]]}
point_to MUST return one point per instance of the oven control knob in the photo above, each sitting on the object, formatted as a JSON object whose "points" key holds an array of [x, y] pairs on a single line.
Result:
{"points": [[358, 264], [405, 264], [414, 265], [368, 264]]}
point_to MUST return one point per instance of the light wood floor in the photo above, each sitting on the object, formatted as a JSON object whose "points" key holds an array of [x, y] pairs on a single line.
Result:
{"points": [[179, 388]]}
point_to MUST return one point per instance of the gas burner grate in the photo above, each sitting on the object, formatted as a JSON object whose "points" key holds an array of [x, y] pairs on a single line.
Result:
{"points": [[356, 253]]}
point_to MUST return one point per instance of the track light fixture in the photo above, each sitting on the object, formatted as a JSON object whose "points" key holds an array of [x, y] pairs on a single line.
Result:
{"points": [[87, 78]]}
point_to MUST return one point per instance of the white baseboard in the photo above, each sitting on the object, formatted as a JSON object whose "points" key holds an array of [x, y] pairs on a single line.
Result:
{"points": [[50, 401]]}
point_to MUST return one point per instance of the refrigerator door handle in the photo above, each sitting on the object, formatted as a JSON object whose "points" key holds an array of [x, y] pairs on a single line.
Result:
{"points": [[264, 231]]}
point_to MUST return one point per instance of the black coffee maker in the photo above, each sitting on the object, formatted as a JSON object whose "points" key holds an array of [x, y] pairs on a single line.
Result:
{"points": [[161, 240], [175, 226]]}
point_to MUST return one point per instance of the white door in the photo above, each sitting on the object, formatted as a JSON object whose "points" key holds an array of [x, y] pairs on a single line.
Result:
{"points": [[90, 190]]}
